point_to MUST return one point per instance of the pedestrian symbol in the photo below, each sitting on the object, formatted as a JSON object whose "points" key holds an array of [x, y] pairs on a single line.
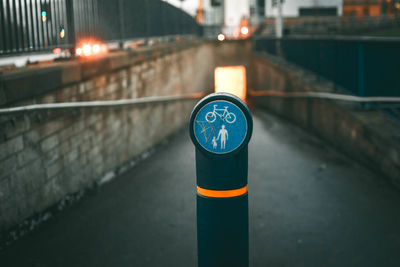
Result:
{"points": [[223, 133], [220, 127]]}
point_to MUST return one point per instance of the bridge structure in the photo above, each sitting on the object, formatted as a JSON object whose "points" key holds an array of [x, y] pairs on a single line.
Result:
{"points": [[97, 167]]}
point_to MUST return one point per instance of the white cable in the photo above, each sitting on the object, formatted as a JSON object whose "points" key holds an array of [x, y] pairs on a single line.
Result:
{"points": [[325, 96], [105, 103]]}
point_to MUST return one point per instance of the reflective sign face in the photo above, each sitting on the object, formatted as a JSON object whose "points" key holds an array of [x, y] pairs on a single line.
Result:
{"points": [[220, 127]]}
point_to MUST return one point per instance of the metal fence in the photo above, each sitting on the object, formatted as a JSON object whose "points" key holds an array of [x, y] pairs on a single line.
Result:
{"points": [[129, 19], [30, 25], [36, 25], [346, 25], [342, 25], [363, 66]]}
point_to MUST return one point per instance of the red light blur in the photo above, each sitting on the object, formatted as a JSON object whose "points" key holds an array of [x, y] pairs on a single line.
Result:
{"points": [[57, 50]]}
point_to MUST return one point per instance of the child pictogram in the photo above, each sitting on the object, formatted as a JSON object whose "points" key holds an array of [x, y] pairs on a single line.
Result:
{"points": [[214, 142]]}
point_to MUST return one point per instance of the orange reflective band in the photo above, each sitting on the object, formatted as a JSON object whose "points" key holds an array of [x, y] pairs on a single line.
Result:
{"points": [[222, 193]]}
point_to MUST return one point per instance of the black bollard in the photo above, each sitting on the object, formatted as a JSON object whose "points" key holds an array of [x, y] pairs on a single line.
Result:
{"points": [[220, 127]]}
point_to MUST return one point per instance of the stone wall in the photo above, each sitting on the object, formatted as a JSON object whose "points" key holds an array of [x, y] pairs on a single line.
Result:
{"points": [[46, 155], [366, 135]]}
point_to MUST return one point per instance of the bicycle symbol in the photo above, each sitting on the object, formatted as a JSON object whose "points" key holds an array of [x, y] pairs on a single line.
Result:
{"points": [[222, 113]]}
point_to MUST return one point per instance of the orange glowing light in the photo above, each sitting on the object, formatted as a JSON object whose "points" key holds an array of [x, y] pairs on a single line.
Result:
{"points": [[221, 37], [96, 49], [62, 34], [91, 48], [87, 49], [244, 30], [57, 50], [231, 79]]}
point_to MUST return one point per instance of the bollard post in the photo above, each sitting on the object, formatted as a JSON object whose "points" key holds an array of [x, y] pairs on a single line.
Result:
{"points": [[220, 128]]}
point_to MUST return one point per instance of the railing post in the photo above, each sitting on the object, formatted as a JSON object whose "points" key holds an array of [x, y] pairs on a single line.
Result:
{"points": [[121, 23], [360, 66], [220, 128], [71, 24]]}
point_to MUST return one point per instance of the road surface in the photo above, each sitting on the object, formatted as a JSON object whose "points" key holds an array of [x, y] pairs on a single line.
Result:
{"points": [[309, 206]]}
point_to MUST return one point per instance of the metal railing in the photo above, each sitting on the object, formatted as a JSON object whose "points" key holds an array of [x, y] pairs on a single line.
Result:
{"points": [[363, 66], [37, 25], [343, 25], [31, 25], [324, 95], [103, 103]]}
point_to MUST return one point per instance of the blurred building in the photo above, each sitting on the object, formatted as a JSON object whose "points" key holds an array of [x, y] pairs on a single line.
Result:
{"points": [[213, 12], [230, 12], [370, 8], [235, 11], [305, 8]]}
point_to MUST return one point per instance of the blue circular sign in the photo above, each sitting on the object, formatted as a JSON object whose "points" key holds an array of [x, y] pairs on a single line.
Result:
{"points": [[220, 127]]}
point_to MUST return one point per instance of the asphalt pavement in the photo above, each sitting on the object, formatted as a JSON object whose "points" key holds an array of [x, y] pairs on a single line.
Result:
{"points": [[309, 206]]}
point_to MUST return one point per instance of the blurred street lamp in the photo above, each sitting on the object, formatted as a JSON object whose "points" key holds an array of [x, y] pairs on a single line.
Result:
{"points": [[244, 30], [45, 12], [62, 32], [44, 16]]}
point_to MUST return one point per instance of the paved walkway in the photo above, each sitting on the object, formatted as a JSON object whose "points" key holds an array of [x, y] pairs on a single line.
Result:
{"points": [[309, 206]]}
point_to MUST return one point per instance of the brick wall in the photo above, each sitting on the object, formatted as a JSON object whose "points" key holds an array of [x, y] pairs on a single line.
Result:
{"points": [[366, 135], [48, 154]]}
